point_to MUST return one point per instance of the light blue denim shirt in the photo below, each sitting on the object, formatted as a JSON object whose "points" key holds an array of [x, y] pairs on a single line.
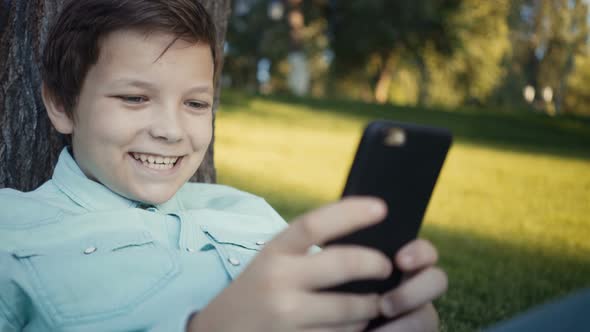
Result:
{"points": [[74, 256]]}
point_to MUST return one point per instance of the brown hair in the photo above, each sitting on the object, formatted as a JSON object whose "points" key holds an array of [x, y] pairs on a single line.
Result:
{"points": [[73, 43]]}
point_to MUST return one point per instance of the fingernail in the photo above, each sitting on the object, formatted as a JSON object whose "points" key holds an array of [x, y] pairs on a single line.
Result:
{"points": [[406, 260], [376, 208], [407, 256], [387, 308]]}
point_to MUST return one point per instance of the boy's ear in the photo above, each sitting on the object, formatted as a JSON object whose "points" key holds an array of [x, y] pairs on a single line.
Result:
{"points": [[60, 119]]}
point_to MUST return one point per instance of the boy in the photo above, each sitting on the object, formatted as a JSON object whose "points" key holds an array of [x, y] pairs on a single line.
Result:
{"points": [[118, 240]]}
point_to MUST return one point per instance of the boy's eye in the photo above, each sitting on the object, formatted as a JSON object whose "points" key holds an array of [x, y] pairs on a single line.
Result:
{"points": [[197, 104], [133, 99]]}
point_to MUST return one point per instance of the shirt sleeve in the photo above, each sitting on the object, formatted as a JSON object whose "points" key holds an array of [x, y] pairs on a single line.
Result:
{"points": [[12, 299], [6, 324], [174, 323]]}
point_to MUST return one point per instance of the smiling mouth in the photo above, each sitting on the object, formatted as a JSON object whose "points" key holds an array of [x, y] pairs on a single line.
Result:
{"points": [[156, 162]]}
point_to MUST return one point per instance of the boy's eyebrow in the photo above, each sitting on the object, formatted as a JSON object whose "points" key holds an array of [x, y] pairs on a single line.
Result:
{"points": [[205, 88], [135, 83]]}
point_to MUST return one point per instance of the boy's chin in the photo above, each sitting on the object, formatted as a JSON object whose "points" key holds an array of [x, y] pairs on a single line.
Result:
{"points": [[153, 197]]}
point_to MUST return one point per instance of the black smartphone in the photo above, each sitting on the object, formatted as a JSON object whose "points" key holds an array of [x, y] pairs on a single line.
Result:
{"points": [[400, 163]]}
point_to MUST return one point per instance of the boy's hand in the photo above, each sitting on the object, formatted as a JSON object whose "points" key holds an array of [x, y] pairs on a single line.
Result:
{"points": [[411, 301], [277, 291]]}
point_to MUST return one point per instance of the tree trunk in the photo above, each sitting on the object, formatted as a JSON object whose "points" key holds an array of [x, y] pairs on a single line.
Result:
{"points": [[423, 88], [29, 146], [381, 94], [562, 86]]}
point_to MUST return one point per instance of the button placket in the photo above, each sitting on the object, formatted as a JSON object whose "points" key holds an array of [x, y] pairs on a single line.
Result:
{"points": [[191, 239], [231, 262]]}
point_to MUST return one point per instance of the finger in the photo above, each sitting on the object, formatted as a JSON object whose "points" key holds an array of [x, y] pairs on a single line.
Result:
{"points": [[328, 222], [338, 309], [356, 327], [420, 289], [338, 264], [424, 319], [416, 255]]}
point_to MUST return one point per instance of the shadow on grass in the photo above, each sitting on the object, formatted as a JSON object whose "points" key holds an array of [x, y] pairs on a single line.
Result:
{"points": [[489, 280], [564, 136]]}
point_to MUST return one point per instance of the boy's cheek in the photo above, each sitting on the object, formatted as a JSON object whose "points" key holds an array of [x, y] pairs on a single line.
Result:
{"points": [[202, 135]]}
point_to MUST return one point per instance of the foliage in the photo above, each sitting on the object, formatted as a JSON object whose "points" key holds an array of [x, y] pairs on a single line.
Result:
{"points": [[379, 34], [427, 52], [254, 35], [577, 99], [475, 69], [250, 37], [363, 28], [549, 36]]}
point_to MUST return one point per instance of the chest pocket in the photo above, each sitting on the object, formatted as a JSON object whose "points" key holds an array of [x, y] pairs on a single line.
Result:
{"points": [[97, 277], [236, 248]]}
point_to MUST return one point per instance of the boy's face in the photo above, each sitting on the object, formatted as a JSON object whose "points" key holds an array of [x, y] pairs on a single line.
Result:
{"points": [[143, 120]]}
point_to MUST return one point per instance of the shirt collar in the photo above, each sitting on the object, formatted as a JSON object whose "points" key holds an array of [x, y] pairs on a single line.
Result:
{"points": [[91, 195]]}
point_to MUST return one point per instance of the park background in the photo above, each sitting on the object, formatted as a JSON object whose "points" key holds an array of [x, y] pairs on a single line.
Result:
{"points": [[300, 80], [509, 214]]}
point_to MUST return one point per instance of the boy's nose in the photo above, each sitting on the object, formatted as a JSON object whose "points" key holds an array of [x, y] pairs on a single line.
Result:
{"points": [[166, 125]]}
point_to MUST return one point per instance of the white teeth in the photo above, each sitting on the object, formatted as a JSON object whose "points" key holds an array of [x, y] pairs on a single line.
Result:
{"points": [[155, 160], [158, 166]]}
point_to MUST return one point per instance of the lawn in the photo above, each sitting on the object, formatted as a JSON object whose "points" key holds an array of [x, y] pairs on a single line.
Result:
{"points": [[509, 213]]}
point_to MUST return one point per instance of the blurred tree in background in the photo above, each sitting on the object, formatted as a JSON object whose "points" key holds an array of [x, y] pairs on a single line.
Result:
{"points": [[264, 32], [378, 35], [420, 52], [550, 39]]}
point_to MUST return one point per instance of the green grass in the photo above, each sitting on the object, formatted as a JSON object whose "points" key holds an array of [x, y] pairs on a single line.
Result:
{"points": [[509, 214]]}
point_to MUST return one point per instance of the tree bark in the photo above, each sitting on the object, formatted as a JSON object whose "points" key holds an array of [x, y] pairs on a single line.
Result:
{"points": [[29, 146]]}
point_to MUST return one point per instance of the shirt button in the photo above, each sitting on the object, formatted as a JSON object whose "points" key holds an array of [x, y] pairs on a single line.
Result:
{"points": [[260, 243], [233, 261], [152, 209], [89, 250], [190, 249]]}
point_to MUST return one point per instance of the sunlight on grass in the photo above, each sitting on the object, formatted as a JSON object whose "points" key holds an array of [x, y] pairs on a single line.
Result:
{"points": [[495, 213], [514, 197]]}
